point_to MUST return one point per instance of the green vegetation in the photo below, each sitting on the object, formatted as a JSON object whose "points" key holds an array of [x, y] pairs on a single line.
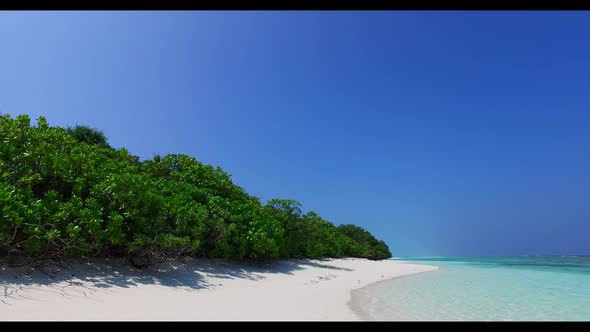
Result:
{"points": [[66, 192], [88, 135]]}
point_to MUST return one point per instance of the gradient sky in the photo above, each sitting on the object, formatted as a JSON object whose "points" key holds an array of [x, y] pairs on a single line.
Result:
{"points": [[443, 133]]}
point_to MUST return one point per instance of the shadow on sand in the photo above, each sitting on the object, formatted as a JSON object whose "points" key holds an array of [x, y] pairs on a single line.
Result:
{"points": [[187, 274]]}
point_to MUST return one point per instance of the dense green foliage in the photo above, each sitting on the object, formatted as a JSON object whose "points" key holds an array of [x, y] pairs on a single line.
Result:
{"points": [[88, 135], [66, 192], [365, 244]]}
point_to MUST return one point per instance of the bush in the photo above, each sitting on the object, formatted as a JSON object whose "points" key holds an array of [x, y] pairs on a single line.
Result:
{"points": [[88, 135], [364, 243], [66, 192]]}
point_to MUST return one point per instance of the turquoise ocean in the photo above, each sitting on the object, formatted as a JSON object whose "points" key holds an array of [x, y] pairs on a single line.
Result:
{"points": [[483, 289]]}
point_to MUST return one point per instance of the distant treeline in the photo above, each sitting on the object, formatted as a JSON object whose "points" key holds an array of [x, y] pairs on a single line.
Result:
{"points": [[65, 192]]}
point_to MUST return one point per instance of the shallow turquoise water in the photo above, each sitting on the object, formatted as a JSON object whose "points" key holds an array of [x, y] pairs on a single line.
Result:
{"points": [[484, 289]]}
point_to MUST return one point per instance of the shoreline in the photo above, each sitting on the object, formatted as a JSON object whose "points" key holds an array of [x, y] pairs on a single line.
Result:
{"points": [[195, 290], [360, 299]]}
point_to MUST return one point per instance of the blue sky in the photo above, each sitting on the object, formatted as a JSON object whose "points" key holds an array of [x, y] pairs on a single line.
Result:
{"points": [[443, 133]]}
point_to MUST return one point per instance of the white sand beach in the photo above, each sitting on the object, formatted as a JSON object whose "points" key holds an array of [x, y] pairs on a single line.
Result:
{"points": [[196, 290]]}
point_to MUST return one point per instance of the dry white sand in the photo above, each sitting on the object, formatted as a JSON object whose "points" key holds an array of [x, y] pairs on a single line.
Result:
{"points": [[288, 290]]}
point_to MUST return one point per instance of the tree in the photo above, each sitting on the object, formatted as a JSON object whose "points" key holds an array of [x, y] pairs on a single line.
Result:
{"points": [[88, 135], [368, 245], [66, 192]]}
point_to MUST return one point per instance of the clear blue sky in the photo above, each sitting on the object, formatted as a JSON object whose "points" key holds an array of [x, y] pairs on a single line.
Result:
{"points": [[443, 133]]}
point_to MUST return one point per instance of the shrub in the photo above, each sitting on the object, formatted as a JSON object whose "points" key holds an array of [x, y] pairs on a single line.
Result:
{"points": [[66, 192]]}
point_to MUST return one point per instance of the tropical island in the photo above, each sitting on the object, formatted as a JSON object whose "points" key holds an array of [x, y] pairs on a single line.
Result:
{"points": [[456, 139], [79, 217]]}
